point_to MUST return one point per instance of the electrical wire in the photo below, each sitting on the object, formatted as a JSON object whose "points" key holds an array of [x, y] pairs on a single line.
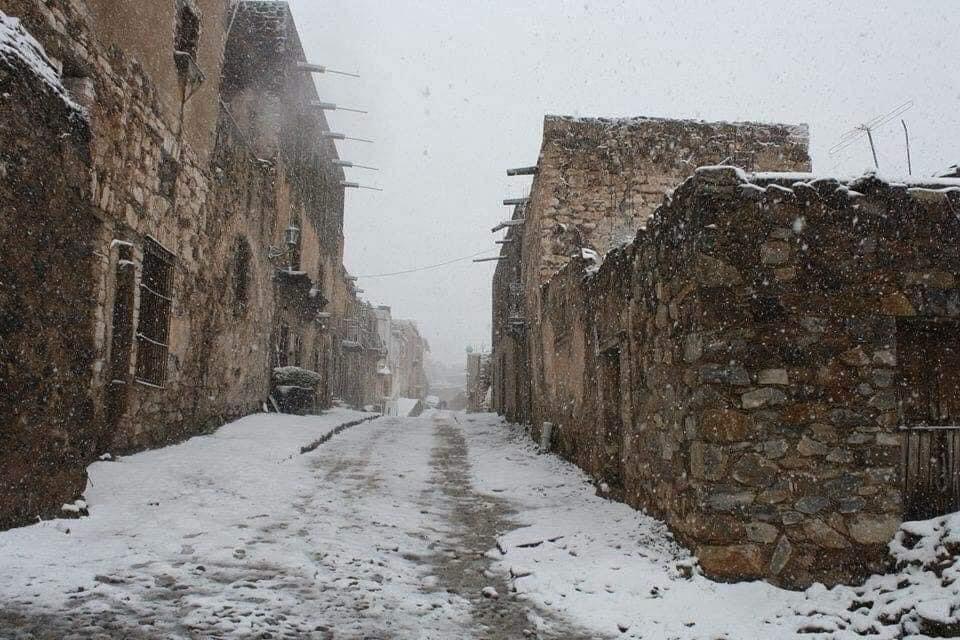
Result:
{"points": [[428, 267]]}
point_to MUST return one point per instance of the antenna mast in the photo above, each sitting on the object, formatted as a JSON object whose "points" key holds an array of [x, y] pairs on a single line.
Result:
{"points": [[867, 128]]}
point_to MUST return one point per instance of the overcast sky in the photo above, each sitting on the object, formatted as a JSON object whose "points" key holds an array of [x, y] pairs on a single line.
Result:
{"points": [[457, 92]]}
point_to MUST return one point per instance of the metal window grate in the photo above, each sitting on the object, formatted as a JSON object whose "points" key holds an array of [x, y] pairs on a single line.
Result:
{"points": [[156, 302]]}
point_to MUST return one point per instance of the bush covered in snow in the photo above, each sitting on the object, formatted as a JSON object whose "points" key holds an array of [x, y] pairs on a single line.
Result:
{"points": [[295, 377]]}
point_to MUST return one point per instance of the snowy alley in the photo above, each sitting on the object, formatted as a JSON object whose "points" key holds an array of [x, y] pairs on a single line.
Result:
{"points": [[444, 526]]}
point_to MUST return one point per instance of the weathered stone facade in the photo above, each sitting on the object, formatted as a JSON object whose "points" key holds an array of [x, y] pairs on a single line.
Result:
{"points": [[184, 236], [597, 181], [741, 367]]}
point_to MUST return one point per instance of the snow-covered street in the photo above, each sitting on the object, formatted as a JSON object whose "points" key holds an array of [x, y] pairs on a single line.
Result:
{"points": [[443, 526]]}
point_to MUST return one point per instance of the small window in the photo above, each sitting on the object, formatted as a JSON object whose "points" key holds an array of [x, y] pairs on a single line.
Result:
{"points": [[241, 275], [297, 349], [188, 31], [156, 302], [168, 172], [295, 243], [281, 346]]}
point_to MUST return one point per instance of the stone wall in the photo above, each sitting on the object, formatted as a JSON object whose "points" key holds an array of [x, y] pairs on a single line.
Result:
{"points": [[742, 367], [49, 423], [510, 360]]}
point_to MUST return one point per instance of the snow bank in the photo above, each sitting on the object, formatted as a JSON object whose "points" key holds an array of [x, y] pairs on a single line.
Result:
{"points": [[618, 571], [920, 599], [20, 49], [602, 564], [407, 407]]}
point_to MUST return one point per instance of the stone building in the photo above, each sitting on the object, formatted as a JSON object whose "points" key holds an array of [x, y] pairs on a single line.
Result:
{"points": [[408, 352], [596, 182], [769, 365], [181, 223]]}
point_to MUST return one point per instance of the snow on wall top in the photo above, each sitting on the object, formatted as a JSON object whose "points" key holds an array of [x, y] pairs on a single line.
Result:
{"points": [[799, 133], [20, 49]]}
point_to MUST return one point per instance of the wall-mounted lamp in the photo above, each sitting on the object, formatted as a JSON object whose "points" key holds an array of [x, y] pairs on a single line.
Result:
{"points": [[331, 106], [291, 237], [319, 68], [330, 135], [347, 163]]}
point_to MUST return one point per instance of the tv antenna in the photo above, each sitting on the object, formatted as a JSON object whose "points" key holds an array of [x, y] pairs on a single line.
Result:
{"points": [[852, 136]]}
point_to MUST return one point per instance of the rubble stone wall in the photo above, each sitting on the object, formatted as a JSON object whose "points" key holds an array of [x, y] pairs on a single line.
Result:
{"points": [[49, 423], [755, 330]]}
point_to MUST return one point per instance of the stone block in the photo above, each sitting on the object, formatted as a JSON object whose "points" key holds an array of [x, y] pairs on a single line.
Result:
{"points": [[775, 448], [868, 528], [781, 555], [754, 471], [824, 432], [761, 532], [707, 462], [812, 504], [897, 304], [734, 562], [725, 501], [773, 376], [850, 505], [774, 252], [934, 279], [808, 447], [720, 374], [789, 518], [725, 425], [821, 534], [855, 357], [764, 397], [776, 493]]}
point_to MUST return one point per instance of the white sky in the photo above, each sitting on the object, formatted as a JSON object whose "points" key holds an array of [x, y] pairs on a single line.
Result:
{"points": [[457, 92]]}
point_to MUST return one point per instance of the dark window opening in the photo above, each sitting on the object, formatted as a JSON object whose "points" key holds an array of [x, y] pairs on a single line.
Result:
{"points": [[187, 36], [611, 402], [295, 247], [168, 172], [929, 359], [156, 302], [121, 341], [297, 349], [241, 275], [281, 346]]}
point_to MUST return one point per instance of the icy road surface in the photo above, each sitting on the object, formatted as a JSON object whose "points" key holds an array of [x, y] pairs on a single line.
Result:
{"points": [[446, 526]]}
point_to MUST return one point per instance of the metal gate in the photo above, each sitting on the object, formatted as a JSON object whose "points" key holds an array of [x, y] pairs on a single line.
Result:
{"points": [[931, 471]]}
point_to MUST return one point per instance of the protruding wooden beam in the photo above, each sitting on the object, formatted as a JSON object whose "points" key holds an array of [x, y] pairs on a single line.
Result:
{"points": [[504, 241], [493, 259], [509, 202], [522, 171], [319, 68], [508, 223]]}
